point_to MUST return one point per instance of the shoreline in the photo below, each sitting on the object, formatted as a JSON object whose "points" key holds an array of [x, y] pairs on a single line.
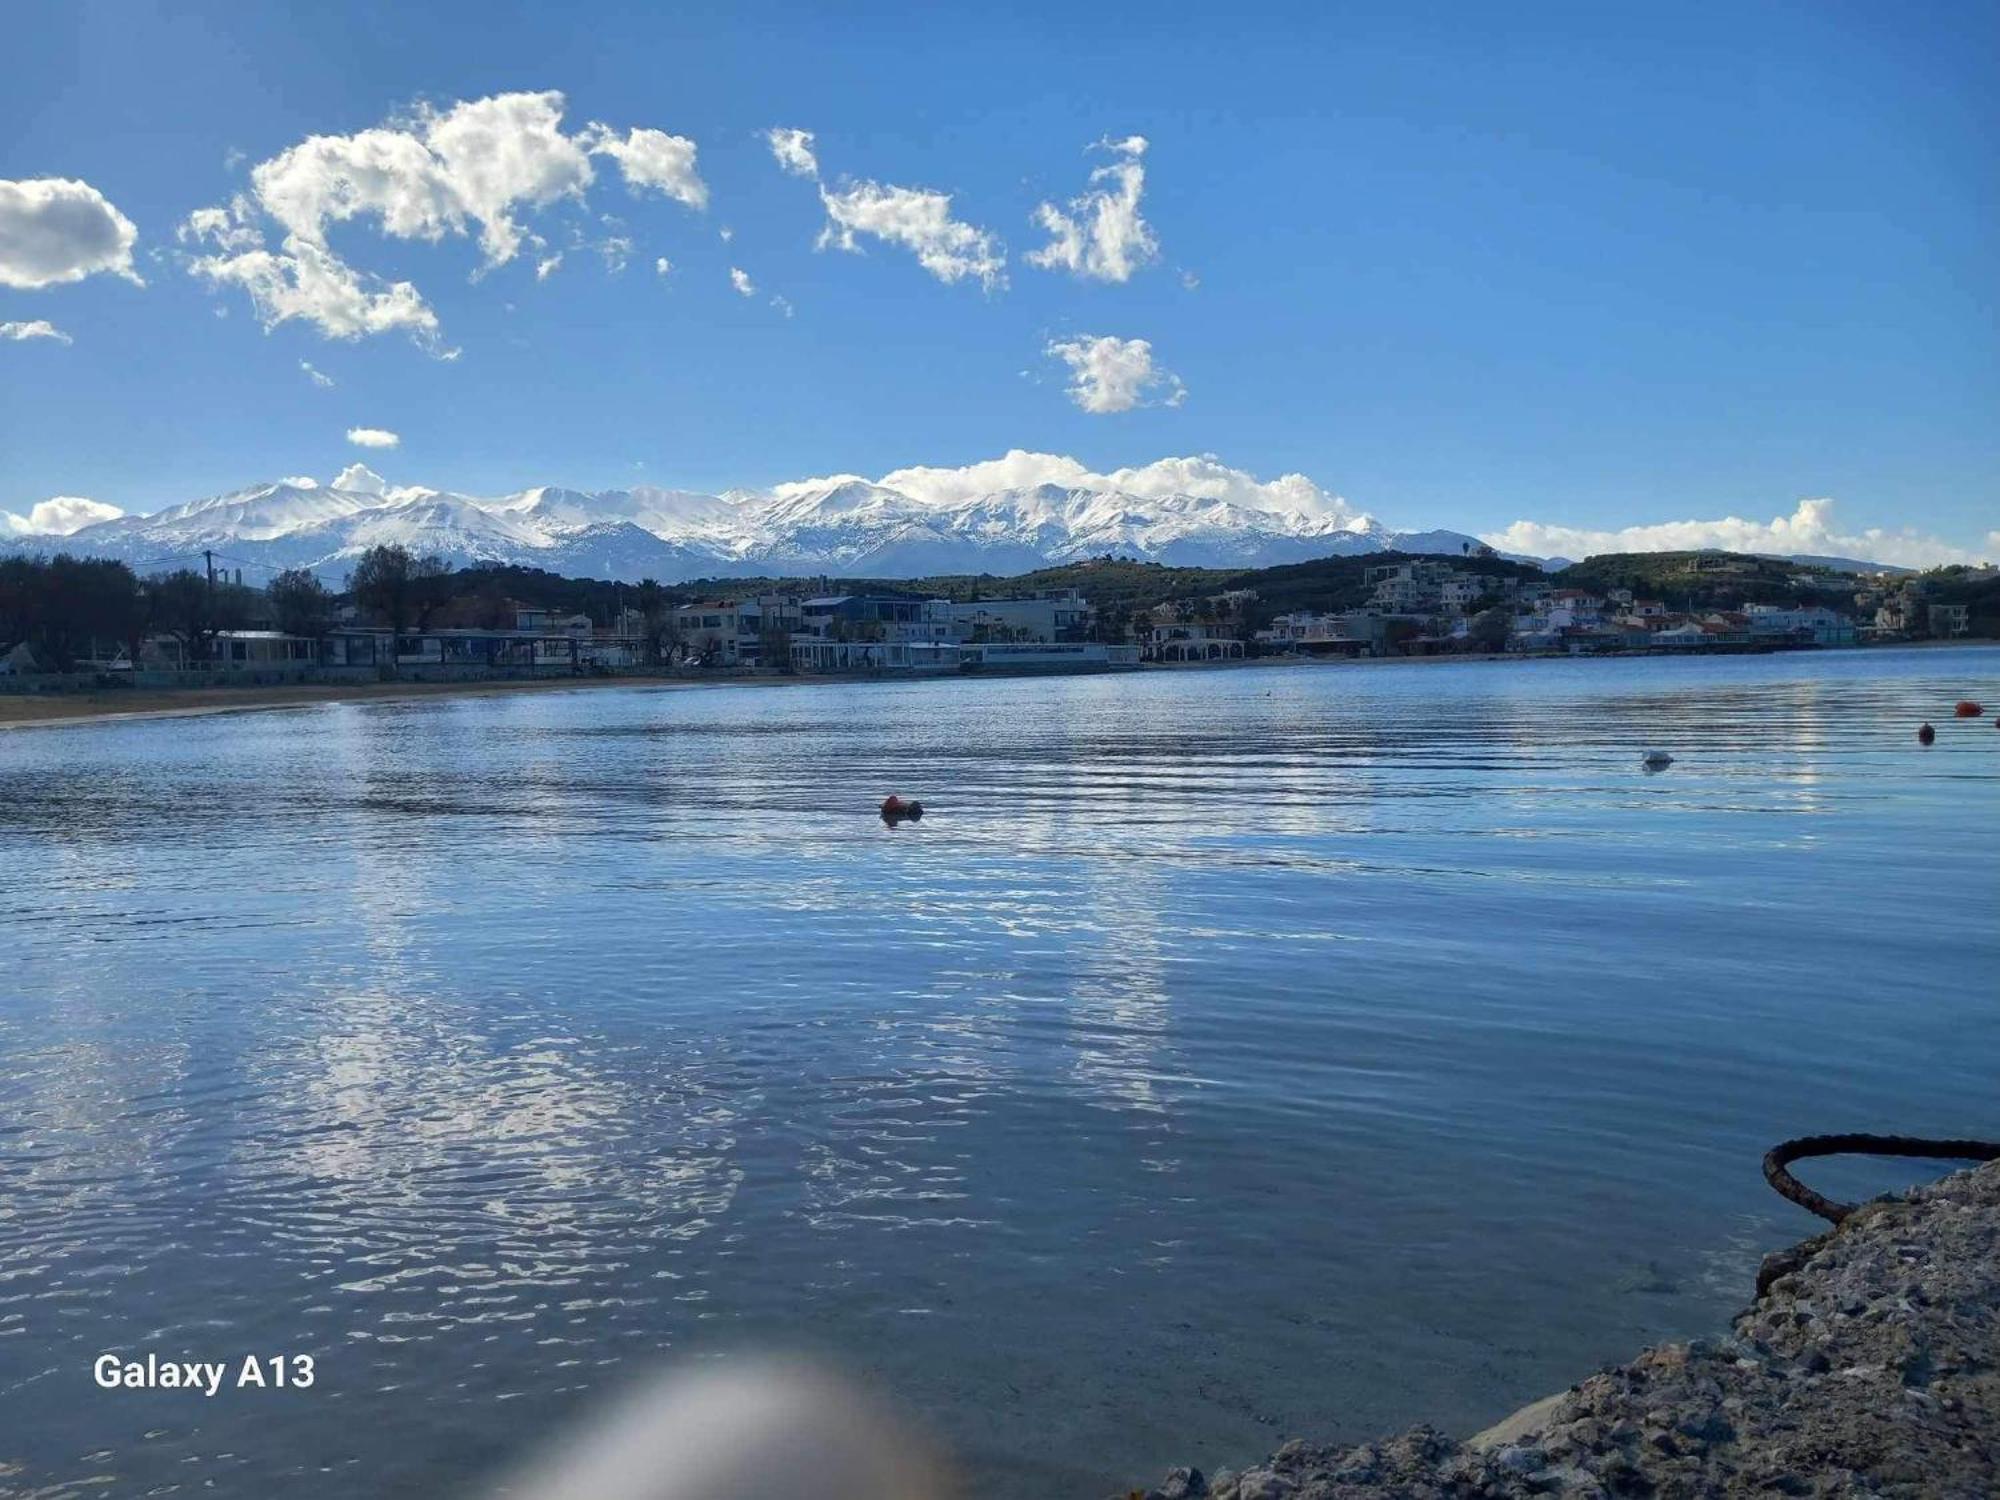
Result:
{"points": [[1863, 1370], [68, 710]]}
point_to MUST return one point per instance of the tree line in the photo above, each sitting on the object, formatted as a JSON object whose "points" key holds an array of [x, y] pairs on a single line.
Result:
{"points": [[70, 610]]}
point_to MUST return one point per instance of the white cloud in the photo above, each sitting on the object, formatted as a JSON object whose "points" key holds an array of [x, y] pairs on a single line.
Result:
{"points": [[1110, 374], [318, 377], [783, 305], [471, 168], [360, 480], [1102, 237], [230, 229], [919, 220], [662, 266], [740, 279], [794, 150], [372, 437], [1204, 476], [1810, 528], [616, 250], [311, 283], [59, 516], [40, 328], [546, 266], [300, 481], [652, 159], [56, 229]]}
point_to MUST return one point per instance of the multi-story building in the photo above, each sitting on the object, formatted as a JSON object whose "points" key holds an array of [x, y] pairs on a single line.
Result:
{"points": [[1407, 588], [881, 617], [1949, 619], [732, 633], [1825, 627], [1460, 591], [1051, 615]]}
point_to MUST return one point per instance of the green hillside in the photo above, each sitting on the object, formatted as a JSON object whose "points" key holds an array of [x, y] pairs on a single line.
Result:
{"points": [[1710, 580]]}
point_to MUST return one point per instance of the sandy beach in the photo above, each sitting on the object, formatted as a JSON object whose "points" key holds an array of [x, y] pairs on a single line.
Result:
{"points": [[54, 710]]}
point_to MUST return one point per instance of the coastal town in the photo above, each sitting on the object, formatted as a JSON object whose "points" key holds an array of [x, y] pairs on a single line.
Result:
{"points": [[84, 622]]}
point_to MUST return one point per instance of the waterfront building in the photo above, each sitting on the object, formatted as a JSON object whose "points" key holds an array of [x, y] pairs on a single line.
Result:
{"points": [[1050, 615], [1311, 634], [1950, 619], [813, 653], [555, 648], [879, 616], [1814, 622], [733, 633], [263, 648], [1048, 656], [1685, 634], [1186, 641]]}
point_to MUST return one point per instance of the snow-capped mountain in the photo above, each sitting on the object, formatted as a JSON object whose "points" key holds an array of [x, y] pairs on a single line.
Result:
{"points": [[844, 526]]}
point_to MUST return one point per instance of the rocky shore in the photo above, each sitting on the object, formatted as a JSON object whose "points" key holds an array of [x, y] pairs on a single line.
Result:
{"points": [[1871, 1368]]}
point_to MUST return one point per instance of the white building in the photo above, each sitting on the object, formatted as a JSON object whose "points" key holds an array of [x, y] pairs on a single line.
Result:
{"points": [[1191, 642], [1826, 627]]}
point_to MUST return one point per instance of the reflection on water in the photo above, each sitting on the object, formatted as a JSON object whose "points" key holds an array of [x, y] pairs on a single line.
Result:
{"points": [[1225, 1055]]}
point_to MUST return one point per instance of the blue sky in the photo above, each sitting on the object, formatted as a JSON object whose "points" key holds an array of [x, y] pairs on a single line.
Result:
{"points": [[1580, 266]]}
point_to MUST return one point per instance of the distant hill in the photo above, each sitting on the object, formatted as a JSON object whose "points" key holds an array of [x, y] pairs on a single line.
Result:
{"points": [[1710, 580], [1121, 584], [1701, 580], [1849, 565]]}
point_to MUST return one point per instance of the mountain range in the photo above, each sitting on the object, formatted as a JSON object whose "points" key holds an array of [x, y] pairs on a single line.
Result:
{"points": [[846, 526]]}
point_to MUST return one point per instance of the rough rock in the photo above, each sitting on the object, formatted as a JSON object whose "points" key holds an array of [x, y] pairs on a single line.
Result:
{"points": [[1871, 1368]]}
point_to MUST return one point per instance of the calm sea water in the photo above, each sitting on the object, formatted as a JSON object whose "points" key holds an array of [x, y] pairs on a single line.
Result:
{"points": [[1227, 1056]]}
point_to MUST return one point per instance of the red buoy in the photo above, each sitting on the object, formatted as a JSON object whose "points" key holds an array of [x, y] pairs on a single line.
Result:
{"points": [[1925, 734], [1967, 709]]}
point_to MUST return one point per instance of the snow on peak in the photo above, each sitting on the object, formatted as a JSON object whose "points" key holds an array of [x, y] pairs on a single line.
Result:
{"points": [[1008, 514]]}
